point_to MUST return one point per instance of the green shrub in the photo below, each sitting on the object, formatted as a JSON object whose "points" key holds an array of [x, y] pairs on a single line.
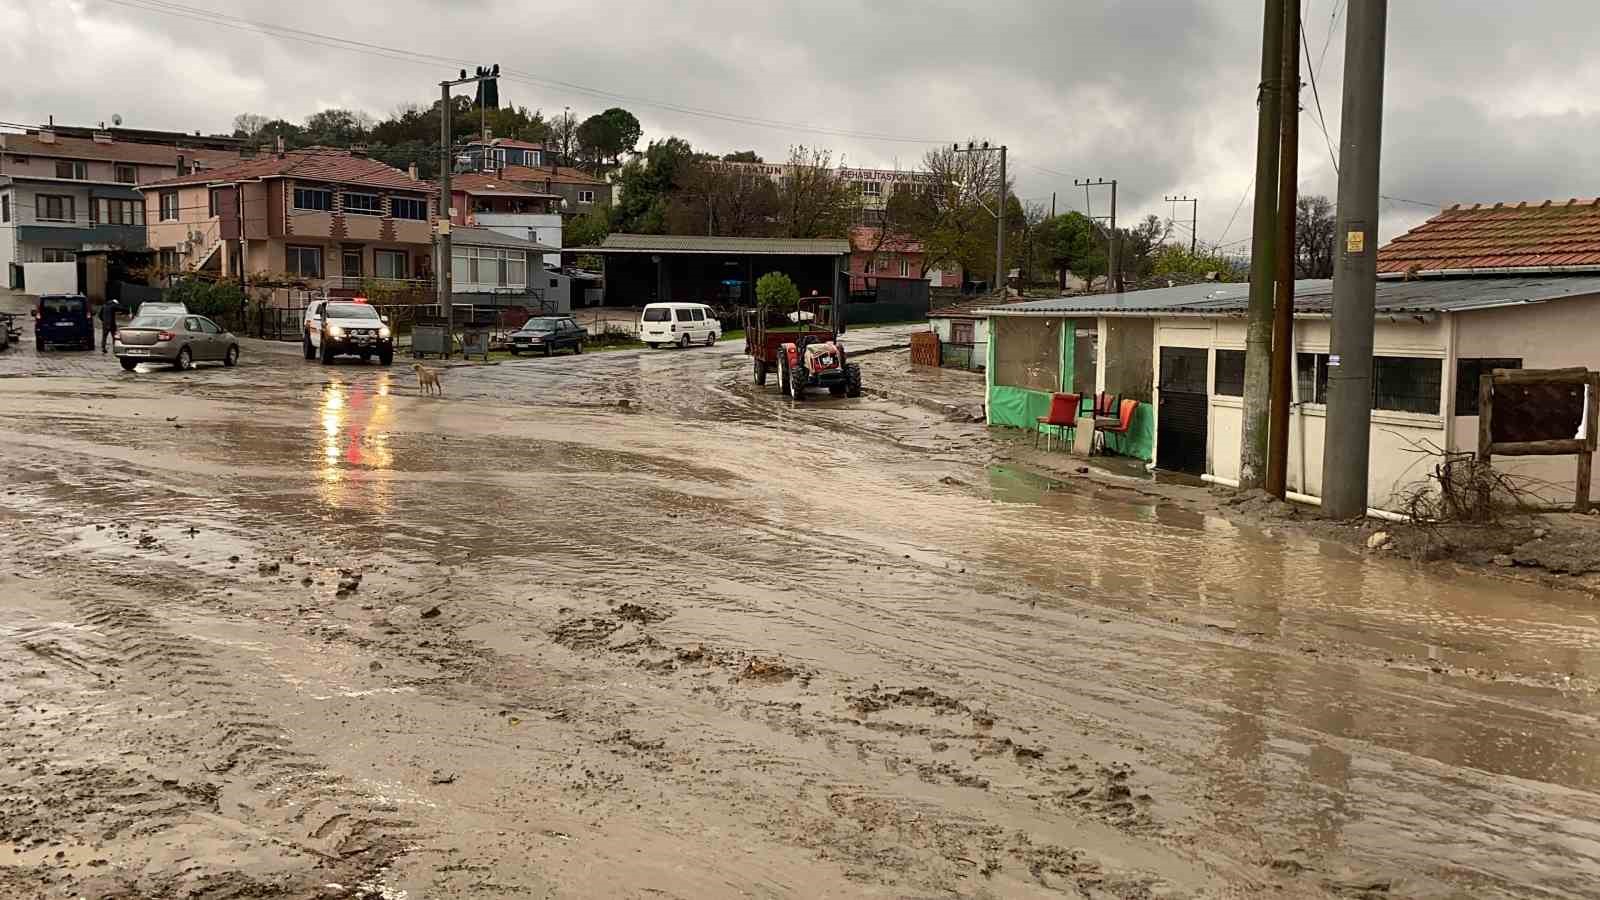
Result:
{"points": [[776, 292], [222, 301]]}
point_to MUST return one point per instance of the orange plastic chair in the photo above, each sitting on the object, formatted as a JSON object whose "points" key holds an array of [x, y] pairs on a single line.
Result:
{"points": [[1119, 425], [1062, 416]]}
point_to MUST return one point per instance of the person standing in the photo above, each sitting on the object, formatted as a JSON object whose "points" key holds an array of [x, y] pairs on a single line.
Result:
{"points": [[108, 323]]}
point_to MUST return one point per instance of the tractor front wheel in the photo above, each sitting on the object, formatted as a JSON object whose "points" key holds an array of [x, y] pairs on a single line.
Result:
{"points": [[852, 381], [797, 383], [761, 372]]}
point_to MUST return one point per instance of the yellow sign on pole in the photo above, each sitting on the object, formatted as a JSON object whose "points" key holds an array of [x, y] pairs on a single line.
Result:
{"points": [[1355, 242]]}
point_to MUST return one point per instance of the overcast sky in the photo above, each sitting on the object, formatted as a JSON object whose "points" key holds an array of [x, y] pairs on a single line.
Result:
{"points": [[1485, 101]]}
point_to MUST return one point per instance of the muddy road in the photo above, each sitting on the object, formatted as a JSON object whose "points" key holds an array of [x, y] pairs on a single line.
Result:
{"points": [[295, 631]]}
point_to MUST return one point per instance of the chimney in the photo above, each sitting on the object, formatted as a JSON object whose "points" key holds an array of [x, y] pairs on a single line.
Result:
{"points": [[182, 170], [358, 149], [280, 146], [411, 171], [46, 136]]}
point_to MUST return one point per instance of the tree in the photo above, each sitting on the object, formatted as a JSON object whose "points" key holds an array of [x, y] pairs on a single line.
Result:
{"points": [[1072, 243], [564, 135], [716, 199], [814, 202], [1136, 248], [776, 292], [338, 127], [1314, 237], [743, 156], [249, 125], [589, 229], [624, 131], [1174, 262], [647, 185]]}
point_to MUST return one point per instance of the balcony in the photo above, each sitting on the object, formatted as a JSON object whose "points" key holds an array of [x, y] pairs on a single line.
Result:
{"points": [[127, 237]]}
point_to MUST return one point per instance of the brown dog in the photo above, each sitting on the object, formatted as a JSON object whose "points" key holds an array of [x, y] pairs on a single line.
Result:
{"points": [[427, 379]]}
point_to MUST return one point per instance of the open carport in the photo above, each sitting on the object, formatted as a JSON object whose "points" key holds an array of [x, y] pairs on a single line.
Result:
{"points": [[720, 271]]}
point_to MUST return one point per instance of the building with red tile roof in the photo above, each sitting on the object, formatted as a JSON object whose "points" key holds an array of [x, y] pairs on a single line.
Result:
{"points": [[1522, 238]]}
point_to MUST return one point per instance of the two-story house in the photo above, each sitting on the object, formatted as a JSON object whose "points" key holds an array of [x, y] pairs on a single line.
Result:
{"points": [[327, 217], [501, 152], [512, 208], [61, 195], [579, 191]]}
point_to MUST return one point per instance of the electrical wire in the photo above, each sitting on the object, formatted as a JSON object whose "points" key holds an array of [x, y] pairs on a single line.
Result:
{"points": [[417, 57], [1322, 121], [1233, 218]]}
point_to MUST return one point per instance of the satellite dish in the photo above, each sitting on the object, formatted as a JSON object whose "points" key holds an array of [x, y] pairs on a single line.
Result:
{"points": [[116, 118]]}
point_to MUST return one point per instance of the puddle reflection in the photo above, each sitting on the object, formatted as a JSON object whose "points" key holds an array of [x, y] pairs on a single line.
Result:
{"points": [[355, 437]]}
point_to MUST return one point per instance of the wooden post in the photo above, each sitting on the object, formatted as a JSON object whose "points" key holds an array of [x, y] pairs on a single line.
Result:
{"points": [[1485, 414], [1591, 422]]}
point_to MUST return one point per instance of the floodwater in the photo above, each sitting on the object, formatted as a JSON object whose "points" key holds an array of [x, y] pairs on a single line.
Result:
{"points": [[282, 627]]}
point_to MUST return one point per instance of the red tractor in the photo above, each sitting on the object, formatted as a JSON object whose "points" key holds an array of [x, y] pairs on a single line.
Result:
{"points": [[804, 351]]}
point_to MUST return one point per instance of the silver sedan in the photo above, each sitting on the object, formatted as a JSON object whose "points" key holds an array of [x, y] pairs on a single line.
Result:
{"points": [[178, 340]]}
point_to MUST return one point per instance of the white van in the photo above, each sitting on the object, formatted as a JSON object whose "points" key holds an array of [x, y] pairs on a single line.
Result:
{"points": [[679, 323]]}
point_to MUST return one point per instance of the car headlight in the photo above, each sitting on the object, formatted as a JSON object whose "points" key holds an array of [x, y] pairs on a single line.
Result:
{"points": [[335, 331], [383, 331]]}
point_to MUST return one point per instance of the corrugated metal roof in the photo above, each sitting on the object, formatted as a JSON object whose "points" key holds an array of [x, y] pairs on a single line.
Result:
{"points": [[1315, 297], [674, 243], [1524, 235], [464, 235]]}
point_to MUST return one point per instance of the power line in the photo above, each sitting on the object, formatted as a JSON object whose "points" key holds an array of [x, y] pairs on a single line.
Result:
{"points": [[1322, 121], [417, 57], [1231, 219]]}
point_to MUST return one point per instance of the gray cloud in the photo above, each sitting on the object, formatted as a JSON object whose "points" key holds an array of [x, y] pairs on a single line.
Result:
{"points": [[1485, 101]]}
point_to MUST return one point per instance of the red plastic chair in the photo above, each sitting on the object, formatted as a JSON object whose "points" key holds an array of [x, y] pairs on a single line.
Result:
{"points": [[1062, 416], [1104, 425]]}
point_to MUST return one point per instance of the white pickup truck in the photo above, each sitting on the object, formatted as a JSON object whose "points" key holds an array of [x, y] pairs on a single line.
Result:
{"points": [[346, 327]]}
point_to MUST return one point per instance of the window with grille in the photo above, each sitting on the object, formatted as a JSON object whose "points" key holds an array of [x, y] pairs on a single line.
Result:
{"points": [[961, 333], [1468, 371], [1407, 383], [1311, 375], [1230, 373]]}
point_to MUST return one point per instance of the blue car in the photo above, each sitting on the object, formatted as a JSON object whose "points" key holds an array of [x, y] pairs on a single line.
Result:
{"points": [[63, 320]]}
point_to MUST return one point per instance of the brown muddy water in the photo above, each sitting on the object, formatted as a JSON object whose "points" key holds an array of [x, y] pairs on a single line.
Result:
{"points": [[296, 631]]}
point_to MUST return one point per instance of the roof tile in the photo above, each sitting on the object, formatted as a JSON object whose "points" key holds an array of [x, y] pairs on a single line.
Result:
{"points": [[1524, 235], [116, 151], [314, 164]]}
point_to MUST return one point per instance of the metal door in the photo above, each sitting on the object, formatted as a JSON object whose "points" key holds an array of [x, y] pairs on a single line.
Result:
{"points": [[1181, 415]]}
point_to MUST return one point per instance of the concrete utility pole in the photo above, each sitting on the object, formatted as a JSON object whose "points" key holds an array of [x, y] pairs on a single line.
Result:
{"points": [[1111, 239], [1283, 307], [1355, 272], [1052, 204], [1263, 234], [446, 266], [1194, 220]]}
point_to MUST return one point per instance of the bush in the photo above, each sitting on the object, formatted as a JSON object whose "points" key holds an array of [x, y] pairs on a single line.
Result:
{"points": [[776, 292], [222, 301]]}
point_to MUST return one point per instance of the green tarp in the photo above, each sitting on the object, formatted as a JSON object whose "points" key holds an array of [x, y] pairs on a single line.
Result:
{"points": [[1140, 441]]}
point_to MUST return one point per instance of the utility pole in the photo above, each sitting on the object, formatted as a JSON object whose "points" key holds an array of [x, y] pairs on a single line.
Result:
{"points": [[999, 213], [446, 265], [1052, 204], [1355, 271], [1111, 239], [1263, 261], [1194, 220], [1283, 307]]}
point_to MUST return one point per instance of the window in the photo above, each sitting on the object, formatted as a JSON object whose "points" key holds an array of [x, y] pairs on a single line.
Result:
{"points": [[126, 174], [363, 204], [169, 259], [1311, 373], [66, 168], [1467, 374], [214, 203], [657, 314], [54, 209], [407, 208], [306, 262], [313, 198], [905, 267], [19, 160], [516, 268], [961, 333], [59, 254], [209, 327], [698, 314], [5, 208], [169, 206], [119, 212], [390, 263], [872, 188], [586, 196], [1230, 373], [1407, 384]]}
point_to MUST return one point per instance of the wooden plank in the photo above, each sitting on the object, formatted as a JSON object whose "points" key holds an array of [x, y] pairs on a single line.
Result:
{"points": [[1485, 416], [1591, 432], [1540, 376], [1580, 503], [1566, 447]]}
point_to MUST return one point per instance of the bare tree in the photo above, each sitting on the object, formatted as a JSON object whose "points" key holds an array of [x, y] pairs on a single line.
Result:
{"points": [[815, 201], [723, 200], [564, 131], [248, 125], [1313, 237]]}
